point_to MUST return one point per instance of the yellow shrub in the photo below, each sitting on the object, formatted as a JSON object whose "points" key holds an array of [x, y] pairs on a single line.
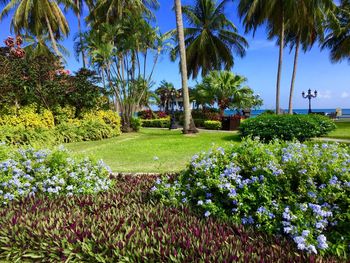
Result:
{"points": [[109, 117], [28, 118]]}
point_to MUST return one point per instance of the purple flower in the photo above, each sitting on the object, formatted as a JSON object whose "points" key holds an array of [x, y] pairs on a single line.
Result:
{"points": [[207, 213]]}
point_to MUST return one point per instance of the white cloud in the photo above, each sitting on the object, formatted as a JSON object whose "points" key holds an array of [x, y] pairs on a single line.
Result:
{"points": [[345, 95], [327, 94]]}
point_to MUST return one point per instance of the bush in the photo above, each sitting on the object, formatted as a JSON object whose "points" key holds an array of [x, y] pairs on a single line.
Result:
{"points": [[19, 135], [286, 127], [136, 124], [28, 117], [326, 125], [88, 130], [27, 172], [158, 123], [38, 129], [212, 125], [121, 225], [298, 190]]}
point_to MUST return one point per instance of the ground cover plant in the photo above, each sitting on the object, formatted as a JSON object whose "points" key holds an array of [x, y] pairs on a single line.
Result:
{"points": [[152, 150], [124, 225], [294, 189], [287, 127], [27, 172]]}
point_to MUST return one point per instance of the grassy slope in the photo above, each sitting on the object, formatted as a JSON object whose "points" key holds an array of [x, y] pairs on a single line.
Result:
{"points": [[342, 131], [135, 152]]}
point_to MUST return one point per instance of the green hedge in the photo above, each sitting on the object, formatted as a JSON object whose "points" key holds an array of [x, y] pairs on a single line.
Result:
{"points": [[287, 127], [212, 125], [157, 123]]}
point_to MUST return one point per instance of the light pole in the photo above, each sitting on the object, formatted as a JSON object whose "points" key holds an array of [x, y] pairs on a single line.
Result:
{"points": [[172, 117], [309, 96]]}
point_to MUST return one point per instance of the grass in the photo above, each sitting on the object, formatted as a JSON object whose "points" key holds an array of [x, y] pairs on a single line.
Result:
{"points": [[135, 152], [342, 131]]}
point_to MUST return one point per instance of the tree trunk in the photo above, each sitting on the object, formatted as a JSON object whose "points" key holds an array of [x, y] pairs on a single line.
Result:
{"points": [[80, 36], [186, 98], [279, 70], [52, 37], [290, 106]]}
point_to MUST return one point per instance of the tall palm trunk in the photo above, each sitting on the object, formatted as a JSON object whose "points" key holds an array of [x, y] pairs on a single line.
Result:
{"points": [[279, 70], [52, 37], [296, 55], [185, 93], [80, 35]]}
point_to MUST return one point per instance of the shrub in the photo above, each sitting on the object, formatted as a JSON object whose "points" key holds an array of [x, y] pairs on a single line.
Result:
{"points": [[158, 123], [121, 225], [28, 118], [28, 172], [109, 117], [326, 125], [85, 130], [146, 114], [199, 122], [19, 135], [136, 124], [285, 127], [212, 125], [298, 190]]}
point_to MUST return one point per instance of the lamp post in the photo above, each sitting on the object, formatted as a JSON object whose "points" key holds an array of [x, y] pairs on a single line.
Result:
{"points": [[309, 96], [172, 117]]}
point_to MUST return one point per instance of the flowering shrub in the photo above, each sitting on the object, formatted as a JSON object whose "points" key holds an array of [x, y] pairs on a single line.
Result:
{"points": [[299, 190], [286, 127], [121, 225], [27, 172]]}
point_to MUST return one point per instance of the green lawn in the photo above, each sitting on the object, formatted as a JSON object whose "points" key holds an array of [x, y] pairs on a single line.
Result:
{"points": [[342, 131], [135, 152]]}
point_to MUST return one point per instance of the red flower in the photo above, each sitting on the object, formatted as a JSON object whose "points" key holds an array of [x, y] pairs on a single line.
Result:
{"points": [[9, 42]]}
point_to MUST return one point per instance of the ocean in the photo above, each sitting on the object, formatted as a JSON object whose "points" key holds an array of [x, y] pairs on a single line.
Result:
{"points": [[297, 111]]}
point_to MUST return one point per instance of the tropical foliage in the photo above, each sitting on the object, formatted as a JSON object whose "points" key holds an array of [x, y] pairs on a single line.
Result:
{"points": [[338, 37], [209, 38], [297, 190], [227, 90]]}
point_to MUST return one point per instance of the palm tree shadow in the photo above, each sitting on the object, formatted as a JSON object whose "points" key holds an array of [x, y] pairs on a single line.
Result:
{"points": [[232, 138]]}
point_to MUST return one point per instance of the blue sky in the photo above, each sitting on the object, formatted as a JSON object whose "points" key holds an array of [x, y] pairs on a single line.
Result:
{"points": [[315, 71]]}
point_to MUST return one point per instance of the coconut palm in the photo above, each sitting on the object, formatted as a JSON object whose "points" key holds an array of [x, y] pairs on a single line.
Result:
{"points": [[78, 12], [183, 68], [210, 38], [112, 11], [275, 14], [338, 37], [303, 30], [38, 18]]}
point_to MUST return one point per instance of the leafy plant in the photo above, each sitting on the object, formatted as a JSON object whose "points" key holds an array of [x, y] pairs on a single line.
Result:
{"points": [[212, 125], [294, 189], [286, 127], [158, 123]]}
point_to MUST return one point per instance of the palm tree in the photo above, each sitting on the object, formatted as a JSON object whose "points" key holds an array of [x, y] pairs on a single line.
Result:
{"points": [[183, 67], [210, 38], [227, 90], [78, 12], [303, 30], [338, 37], [163, 92], [38, 18], [275, 14]]}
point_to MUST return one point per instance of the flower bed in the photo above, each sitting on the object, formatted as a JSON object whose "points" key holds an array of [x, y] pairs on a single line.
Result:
{"points": [[122, 225], [298, 190], [28, 172]]}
